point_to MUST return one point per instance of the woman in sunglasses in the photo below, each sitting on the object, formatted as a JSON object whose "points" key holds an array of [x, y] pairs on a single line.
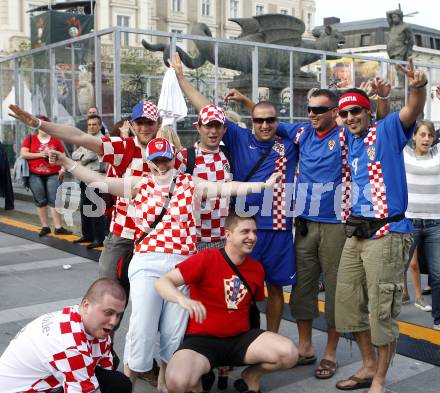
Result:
{"points": [[379, 236]]}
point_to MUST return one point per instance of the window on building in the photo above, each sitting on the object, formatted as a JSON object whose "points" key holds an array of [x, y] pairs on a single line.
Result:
{"points": [[233, 8], [206, 7], [259, 10], [431, 42], [309, 21], [178, 32], [177, 5], [418, 39], [284, 12], [123, 21], [365, 39], [437, 43]]}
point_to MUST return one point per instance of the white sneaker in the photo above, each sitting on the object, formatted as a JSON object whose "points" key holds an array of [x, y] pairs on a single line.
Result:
{"points": [[420, 303], [436, 327]]}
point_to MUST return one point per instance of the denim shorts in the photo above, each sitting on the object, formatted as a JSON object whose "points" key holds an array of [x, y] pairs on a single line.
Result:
{"points": [[44, 189]]}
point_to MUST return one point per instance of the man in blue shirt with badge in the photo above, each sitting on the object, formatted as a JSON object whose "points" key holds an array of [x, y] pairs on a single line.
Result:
{"points": [[256, 157], [379, 236]]}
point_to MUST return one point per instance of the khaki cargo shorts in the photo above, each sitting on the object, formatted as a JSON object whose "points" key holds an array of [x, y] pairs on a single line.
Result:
{"points": [[371, 273], [319, 251]]}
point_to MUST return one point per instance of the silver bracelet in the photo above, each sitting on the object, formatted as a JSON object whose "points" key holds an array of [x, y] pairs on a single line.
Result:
{"points": [[73, 167], [38, 125]]}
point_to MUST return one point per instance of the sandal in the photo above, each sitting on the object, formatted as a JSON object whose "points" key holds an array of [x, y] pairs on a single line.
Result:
{"points": [[361, 383], [306, 360], [241, 386], [328, 367]]}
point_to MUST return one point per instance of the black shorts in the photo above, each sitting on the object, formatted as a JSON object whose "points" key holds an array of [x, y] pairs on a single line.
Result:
{"points": [[221, 351]]}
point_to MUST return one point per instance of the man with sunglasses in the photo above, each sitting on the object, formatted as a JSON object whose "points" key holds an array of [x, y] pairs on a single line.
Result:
{"points": [[274, 247], [370, 276]]}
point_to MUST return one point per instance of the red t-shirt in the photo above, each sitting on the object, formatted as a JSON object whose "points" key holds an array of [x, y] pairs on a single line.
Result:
{"points": [[213, 282], [40, 166]]}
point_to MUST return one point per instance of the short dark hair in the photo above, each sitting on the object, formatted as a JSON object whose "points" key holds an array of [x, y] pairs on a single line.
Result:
{"points": [[264, 104], [104, 286], [90, 117], [233, 219], [331, 95]]}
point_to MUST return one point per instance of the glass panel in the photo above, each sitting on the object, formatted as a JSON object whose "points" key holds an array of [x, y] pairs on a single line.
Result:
{"points": [[107, 72], [340, 73], [435, 102]]}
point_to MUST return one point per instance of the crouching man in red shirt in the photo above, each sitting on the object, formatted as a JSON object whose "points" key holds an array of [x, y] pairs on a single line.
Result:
{"points": [[218, 332]]}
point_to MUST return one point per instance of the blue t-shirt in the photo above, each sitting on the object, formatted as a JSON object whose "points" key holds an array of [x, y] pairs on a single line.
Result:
{"points": [[318, 182], [377, 167], [273, 208]]}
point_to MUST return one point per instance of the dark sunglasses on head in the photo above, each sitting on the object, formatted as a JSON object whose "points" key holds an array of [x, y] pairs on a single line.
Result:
{"points": [[261, 120], [319, 110], [353, 111]]}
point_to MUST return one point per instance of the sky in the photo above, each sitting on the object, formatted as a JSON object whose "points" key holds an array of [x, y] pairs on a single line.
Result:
{"points": [[346, 10]]}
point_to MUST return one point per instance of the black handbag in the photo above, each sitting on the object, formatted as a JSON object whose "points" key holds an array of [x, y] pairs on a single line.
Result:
{"points": [[124, 261], [254, 312]]}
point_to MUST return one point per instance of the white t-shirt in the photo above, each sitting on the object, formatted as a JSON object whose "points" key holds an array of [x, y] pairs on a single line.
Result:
{"points": [[54, 351]]}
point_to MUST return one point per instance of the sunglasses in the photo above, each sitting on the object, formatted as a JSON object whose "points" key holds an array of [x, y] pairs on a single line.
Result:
{"points": [[319, 110], [261, 120], [357, 110]]}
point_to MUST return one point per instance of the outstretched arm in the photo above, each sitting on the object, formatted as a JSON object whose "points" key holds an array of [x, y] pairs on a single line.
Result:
{"points": [[167, 286], [123, 187], [67, 134], [208, 189], [417, 82], [237, 96], [197, 99]]}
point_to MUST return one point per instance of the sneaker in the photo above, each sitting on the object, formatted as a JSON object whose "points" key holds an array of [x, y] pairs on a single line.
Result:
{"points": [[420, 303], [426, 291], [405, 299], [62, 231], [44, 231], [436, 326]]}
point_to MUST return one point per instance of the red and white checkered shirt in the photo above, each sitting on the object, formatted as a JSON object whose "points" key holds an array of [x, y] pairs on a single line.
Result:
{"points": [[176, 231], [211, 166], [54, 351], [122, 223]]}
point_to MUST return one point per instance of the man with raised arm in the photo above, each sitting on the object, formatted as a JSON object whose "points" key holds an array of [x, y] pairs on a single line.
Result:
{"points": [[254, 158], [321, 206], [370, 277], [219, 332], [127, 157], [69, 350]]}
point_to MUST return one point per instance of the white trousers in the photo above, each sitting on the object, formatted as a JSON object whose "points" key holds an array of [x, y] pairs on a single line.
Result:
{"points": [[150, 313]]}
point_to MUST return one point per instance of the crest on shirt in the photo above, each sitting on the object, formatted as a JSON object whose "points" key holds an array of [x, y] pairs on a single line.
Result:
{"points": [[235, 291], [227, 167], [279, 148], [371, 152], [159, 145], [331, 144]]}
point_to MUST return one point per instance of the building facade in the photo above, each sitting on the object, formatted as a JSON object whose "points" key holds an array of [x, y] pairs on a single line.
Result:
{"points": [[162, 15]]}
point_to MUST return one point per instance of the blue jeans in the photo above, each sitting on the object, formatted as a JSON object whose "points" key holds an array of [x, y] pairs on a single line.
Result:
{"points": [[427, 235], [44, 189]]}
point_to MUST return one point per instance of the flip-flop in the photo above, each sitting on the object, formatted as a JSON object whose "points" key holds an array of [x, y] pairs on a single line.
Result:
{"points": [[361, 383], [326, 365], [306, 360]]}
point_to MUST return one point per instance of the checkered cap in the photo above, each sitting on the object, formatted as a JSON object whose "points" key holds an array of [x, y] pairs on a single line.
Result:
{"points": [[210, 113], [159, 147], [145, 109]]}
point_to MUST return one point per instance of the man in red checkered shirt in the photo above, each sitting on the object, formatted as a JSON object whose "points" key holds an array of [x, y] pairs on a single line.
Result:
{"points": [[68, 350], [146, 122], [210, 164]]}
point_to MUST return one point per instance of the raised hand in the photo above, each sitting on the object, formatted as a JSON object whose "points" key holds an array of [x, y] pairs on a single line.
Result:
{"points": [[23, 116], [416, 78], [381, 87], [176, 63], [234, 95]]}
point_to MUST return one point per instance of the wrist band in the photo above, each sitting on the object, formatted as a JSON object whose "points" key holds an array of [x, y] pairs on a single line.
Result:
{"points": [[419, 87], [38, 125], [73, 167], [383, 98]]}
